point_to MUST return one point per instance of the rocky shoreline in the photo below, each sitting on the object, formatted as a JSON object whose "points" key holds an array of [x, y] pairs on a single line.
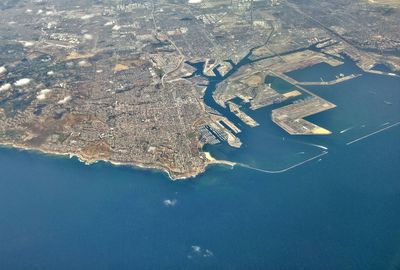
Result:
{"points": [[90, 160]]}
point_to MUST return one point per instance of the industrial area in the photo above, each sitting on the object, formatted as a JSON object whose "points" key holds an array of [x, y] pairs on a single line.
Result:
{"points": [[112, 80]]}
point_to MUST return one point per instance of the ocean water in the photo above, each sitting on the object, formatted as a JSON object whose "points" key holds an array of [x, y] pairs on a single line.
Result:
{"points": [[339, 211]]}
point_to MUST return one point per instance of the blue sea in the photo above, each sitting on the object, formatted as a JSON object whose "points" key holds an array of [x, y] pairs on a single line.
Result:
{"points": [[337, 211]]}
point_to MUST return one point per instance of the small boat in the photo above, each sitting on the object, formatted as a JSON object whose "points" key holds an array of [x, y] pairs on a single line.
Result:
{"points": [[345, 130]]}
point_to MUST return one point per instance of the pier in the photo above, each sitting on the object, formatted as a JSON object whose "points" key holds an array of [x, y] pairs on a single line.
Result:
{"points": [[326, 83]]}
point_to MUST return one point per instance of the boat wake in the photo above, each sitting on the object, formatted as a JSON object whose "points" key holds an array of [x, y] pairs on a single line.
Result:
{"points": [[345, 130], [312, 144], [373, 133], [319, 146]]}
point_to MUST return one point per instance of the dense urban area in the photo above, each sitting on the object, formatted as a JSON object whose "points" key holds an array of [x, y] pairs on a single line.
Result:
{"points": [[111, 79]]}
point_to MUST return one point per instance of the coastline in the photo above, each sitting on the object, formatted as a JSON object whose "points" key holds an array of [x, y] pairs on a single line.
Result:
{"points": [[137, 165]]}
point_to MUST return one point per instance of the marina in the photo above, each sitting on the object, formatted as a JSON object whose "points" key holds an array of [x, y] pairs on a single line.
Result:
{"points": [[199, 135], [318, 199]]}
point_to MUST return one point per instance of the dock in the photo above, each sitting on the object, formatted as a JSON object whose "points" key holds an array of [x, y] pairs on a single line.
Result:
{"points": [[290, 117]]}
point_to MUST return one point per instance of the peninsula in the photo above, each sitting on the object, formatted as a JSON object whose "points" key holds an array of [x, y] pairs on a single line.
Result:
{"points": [[116, 80]]}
